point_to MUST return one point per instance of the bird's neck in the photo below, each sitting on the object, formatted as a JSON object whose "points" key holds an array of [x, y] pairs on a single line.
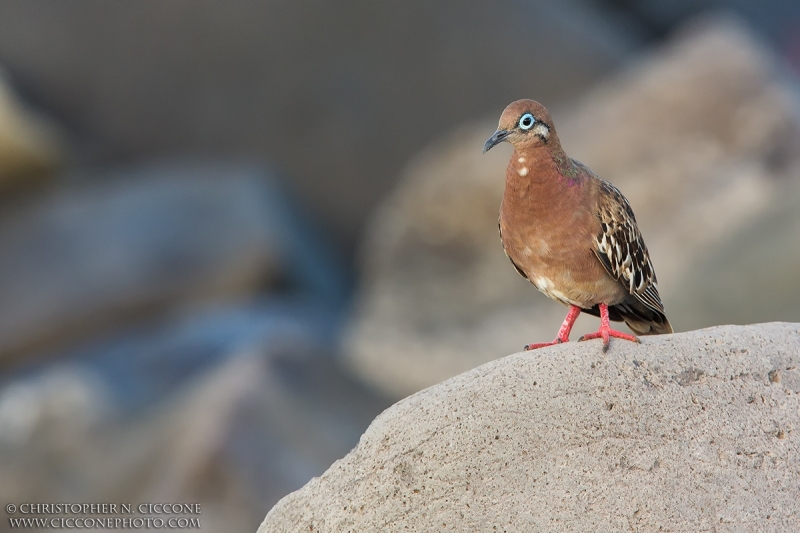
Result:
{"points": [[539, 173]]}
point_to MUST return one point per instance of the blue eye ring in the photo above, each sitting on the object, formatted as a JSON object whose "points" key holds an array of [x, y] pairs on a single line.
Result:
{"points": [[526, 121]]}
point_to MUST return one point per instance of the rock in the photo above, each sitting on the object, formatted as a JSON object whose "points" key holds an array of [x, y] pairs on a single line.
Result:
{"points": [[701, 137], [96, 256], [715, 291], [696, 431], [31, 147]]}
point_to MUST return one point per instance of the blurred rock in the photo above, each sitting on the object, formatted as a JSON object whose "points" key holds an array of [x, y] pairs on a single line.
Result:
{"points": [[702, 136], [774, 19], [232, 409], [690, 432], [337, 94], [129, 245], [31, 147], [729, 285], [178, 326]]}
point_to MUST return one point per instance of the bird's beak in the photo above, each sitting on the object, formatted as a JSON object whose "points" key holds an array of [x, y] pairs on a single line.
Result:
{"points": [[498, 137]]}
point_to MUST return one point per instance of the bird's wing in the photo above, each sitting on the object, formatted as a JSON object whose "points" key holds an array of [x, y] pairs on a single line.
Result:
{"points": [[516, 266], [619, 246]]}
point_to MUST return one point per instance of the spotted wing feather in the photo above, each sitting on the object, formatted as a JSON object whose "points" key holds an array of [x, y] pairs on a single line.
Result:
{"points": [[621, 250]]}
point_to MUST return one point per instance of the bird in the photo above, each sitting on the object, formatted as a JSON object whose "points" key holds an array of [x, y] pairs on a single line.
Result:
{"points": [[572, 234]]}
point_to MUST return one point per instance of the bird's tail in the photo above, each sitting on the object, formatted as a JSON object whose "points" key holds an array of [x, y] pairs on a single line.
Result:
{"points": [[659, 327], [642, 319]]}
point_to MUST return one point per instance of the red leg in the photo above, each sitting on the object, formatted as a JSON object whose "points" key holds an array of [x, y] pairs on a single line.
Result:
{"points": [[605, 331], [563, 331]]}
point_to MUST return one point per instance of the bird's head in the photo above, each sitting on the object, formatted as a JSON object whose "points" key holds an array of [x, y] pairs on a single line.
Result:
{"points": [[525, 124]]}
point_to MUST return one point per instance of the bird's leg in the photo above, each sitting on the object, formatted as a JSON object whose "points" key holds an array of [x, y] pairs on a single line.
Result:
{"points": [[563, 331], [605, 332]]}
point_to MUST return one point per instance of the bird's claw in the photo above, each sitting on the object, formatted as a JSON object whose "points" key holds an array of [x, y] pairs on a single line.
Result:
{"points": [[529, 347], [606, 334]]}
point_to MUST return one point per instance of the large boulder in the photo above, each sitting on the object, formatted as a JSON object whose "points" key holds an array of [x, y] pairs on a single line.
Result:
{"points": [[701, 136], [695, 431]]}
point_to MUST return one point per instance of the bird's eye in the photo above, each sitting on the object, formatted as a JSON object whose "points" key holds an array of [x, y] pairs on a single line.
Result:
{"points": [[526, 121]]}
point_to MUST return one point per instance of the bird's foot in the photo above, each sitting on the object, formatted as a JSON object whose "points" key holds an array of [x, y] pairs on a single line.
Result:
{"points": [[563, 332], [605, 332], [529, 347]]}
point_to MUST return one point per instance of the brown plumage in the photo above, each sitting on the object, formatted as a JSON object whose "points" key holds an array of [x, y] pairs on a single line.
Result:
{"points": [[572, 234]]}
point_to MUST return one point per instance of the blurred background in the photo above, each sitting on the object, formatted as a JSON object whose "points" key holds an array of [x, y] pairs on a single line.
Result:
{"points": [[233, 233]]}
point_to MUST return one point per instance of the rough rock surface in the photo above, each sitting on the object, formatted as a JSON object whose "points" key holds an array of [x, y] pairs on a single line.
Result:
{"points": [[698, 431], [701, 136]]}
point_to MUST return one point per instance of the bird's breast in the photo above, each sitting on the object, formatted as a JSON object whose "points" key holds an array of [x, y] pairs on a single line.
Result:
{"points": [[557, 257]]}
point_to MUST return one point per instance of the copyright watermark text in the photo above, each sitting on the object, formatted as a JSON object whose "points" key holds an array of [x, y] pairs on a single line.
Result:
{"points": [[104, 515]]}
